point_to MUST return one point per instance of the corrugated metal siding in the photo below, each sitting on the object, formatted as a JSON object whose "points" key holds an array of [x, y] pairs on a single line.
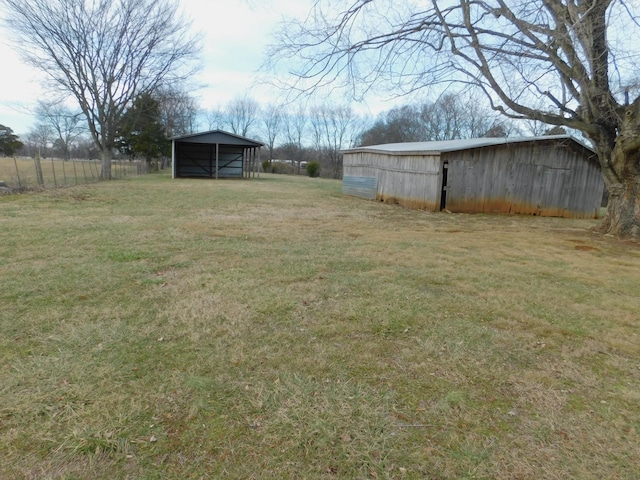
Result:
{"points": [[409, 180], [365, 187], [198, 160]]}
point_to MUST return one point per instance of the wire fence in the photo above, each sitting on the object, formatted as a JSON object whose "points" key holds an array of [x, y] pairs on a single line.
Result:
{"points": [[23, 174]]}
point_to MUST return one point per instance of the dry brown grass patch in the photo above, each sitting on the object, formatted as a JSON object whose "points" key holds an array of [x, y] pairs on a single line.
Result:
{"points": [[277, 329]]}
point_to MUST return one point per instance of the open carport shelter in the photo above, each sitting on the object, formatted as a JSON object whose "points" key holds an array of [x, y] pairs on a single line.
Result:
{"points": [[215, 154], [549, 176]]}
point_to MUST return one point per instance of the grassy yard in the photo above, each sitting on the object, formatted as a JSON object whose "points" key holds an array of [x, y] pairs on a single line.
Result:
{"points": [[273, 328]]}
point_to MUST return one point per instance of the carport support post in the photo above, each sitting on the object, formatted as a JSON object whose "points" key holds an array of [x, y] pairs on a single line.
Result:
{"points": [[259, 162], [255, 162], [173, 159], [217, 155]]}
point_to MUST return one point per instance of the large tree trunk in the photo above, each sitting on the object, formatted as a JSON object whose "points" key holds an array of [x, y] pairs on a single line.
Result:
{"points": [[623, 210], [620, 161], [105, 174]]}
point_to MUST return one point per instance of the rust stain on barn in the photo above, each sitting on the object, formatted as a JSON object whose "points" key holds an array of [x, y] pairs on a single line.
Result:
{"points": [[547, 176]]}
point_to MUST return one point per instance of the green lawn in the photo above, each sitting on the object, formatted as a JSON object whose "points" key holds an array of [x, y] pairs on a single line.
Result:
{"points": [[274, 328]]}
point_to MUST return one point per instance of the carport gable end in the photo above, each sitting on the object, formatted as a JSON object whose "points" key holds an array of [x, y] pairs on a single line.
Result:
{"points": [[214, 154], [548, 176]]}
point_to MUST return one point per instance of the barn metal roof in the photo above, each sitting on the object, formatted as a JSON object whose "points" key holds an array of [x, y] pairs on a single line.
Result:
{"points": [[435, 148], [220, 137]]}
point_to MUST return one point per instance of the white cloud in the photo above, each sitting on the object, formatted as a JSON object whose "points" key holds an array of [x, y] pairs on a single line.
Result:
{"points": [[236, 34], [19, 90]]}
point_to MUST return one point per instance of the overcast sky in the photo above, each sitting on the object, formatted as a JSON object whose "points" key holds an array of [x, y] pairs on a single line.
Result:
{"points": [[236, 34]]}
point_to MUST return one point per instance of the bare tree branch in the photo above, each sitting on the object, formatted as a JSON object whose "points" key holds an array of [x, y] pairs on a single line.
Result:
{"points": [[104, 53], [551, 61]]}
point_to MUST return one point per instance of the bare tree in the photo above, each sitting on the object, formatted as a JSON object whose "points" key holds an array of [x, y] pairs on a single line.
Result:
{"points": [[271, 126], [565, 63], [40, 138], [178, 111], [400, 124], [242, 114], [215, 118], [480, 119], [452, 116], [332, 129], [66, 125], [295, 126], [103, 53], [443, 119], [535, 127]]}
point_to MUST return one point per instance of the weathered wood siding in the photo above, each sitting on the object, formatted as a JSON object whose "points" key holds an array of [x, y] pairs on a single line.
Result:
{"points": [[535, 178], [413, 181]]}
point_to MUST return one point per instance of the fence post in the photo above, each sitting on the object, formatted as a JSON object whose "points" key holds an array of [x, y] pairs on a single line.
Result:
{"points": [[39, 169], [53, 169], [15, 162], [96, 166], [64, 173], [75, 172]]}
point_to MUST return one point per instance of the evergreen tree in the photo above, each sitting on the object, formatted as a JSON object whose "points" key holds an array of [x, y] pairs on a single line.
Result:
{"points": [[9, 143], [142, 134]]}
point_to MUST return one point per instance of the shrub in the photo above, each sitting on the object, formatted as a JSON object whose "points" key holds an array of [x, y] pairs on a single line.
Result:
{"points": [[313, 169]]}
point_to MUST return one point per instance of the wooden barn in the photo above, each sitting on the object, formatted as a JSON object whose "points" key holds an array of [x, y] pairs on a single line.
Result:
{"points": [[548, 176], [215, 154]]}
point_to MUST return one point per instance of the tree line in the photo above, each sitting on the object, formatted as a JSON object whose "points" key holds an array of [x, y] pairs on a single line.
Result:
{"points": [[297, 135], [142, 132], [567, 64], [319, 132], [129, 78], [104, 56]]}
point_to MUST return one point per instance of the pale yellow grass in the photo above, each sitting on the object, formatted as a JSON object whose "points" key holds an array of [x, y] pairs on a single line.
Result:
{"points": [[20, 173], [277, 329]]}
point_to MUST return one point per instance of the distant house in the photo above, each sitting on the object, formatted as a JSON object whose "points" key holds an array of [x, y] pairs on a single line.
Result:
{"points": [[548, 176], [215, 154]]}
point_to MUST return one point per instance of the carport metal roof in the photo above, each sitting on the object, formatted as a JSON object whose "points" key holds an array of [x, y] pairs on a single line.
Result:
{"points": [[218, 136]]}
